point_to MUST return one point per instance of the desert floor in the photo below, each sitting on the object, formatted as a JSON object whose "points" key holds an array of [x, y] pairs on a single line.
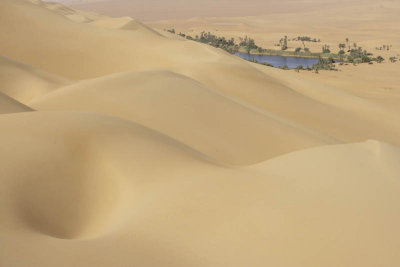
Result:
{"points": [[124, 145]]}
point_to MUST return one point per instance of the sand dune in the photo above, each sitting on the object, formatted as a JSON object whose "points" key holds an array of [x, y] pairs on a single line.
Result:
{"points": [[370, 24], [123, 23], [212, 67], [96, 184], [10, 105], [189, 112], [23, 82], [121, 146], [173, 9]]}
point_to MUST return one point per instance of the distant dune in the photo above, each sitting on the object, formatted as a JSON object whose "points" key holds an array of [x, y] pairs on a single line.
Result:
{"points": [[148, 10], [121, 145]]}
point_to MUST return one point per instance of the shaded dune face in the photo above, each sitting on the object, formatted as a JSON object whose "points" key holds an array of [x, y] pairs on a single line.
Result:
{"points": [[79, 199], [10, 105], [187, 111], [72, 178], [63, 183], [23, 82]]}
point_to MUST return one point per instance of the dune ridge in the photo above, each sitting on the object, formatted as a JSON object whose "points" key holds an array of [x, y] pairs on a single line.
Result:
{"points": [[283, 200], [121, 146], [199, 62], [10, 105], [187, 111], [23, 82]]}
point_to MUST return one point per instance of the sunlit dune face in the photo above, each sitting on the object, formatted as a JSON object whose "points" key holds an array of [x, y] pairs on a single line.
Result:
{"points": [[127, 145]]}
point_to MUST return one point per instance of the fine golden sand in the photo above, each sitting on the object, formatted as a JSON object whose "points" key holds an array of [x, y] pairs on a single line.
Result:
{"points": [[121, 145]]}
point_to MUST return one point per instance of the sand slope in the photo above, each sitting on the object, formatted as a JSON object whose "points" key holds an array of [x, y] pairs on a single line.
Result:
{"points": [[211, 67], [96, 188], [10, 105], [23, 82], [156, 10], [189, 112], [146, 150]]}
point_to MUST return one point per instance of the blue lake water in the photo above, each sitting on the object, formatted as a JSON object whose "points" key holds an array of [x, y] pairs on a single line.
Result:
{"points": [[278, 61]]}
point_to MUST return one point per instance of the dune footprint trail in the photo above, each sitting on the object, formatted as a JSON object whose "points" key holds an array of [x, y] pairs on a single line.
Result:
{"points": [[120, 146]]}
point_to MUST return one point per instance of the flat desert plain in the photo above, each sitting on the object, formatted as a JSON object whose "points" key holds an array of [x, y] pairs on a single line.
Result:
{"points": [[124, 145]]}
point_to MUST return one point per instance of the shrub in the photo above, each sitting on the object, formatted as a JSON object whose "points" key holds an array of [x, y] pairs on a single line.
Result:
{"points": [[323, 64], [325, 49], [365, 59], [298, 68], [379, 59], [283, 43]]}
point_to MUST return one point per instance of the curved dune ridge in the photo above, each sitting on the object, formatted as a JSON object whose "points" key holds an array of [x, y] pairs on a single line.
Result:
{"points": [[189, 112], [74, 188], [97, 182], [23, 82], [348, 119], [120, 146], [10, 105]]}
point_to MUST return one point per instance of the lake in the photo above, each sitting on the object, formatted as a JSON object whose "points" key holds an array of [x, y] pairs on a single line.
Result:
{"points": [[278, 61]]}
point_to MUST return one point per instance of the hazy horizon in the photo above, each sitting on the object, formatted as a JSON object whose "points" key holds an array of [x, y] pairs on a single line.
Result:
{"points": [[151, 10]]}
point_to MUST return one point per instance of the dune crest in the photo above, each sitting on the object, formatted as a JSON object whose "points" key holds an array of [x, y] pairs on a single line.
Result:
{"points": [[23, 82], [113, 193], [189, 112], [9, 105], [121, 146]]}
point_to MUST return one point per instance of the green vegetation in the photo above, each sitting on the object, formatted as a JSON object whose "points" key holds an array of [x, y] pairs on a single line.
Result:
{"points": [[347, 53], [298, 68], [325, 49], [283, 43], [379, 59], [324, 64], [219, 42], [384, 47], [248, 43], [306, 39]]}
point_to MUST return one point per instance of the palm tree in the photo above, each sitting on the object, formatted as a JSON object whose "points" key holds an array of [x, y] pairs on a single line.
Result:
{"points": [[248, 49], [325, 49], [284, 45]]}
